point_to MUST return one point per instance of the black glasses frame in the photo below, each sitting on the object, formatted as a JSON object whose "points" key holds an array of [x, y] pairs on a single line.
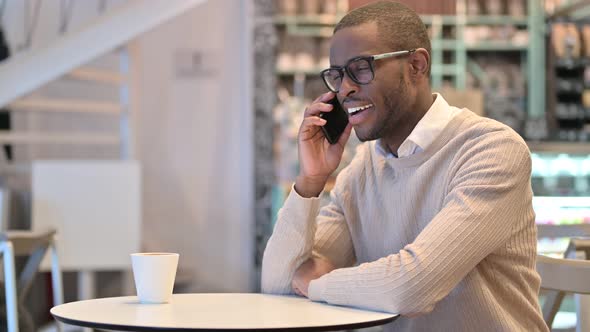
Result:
{"points": [[370, 60]]}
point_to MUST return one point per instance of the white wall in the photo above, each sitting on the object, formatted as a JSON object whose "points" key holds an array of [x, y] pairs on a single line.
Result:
{"points": [[196, 144], [195, 135]]}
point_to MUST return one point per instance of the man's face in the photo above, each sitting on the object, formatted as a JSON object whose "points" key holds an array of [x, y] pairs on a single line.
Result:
{"points": [[388, 98]]}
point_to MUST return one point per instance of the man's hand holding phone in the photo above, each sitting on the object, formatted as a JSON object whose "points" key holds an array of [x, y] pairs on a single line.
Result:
{"points": [[317, 157]]}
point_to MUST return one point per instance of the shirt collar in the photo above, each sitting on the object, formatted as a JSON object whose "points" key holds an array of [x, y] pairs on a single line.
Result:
{"points": [[428, 128]]}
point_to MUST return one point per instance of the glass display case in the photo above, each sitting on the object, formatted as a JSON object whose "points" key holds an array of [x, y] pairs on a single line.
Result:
{"points": [[561, 187]]}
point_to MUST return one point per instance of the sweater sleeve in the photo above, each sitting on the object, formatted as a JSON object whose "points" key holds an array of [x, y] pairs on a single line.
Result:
{"points": [[297, 236], [488, 193]]}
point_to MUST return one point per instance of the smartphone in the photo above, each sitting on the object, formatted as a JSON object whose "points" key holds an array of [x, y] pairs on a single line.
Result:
{"points": [[336, 121]]}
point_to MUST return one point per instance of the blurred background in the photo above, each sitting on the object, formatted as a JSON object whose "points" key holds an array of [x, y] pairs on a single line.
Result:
{"points": [[135, 125]]}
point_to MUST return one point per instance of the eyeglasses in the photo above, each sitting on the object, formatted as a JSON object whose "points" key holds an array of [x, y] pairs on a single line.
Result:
{"points": [[360, 70]]}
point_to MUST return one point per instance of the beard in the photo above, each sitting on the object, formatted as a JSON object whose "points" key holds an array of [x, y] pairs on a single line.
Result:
{"points": [[394, 105]]}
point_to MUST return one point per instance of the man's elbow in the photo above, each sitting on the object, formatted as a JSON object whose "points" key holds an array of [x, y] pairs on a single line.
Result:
{"points": [[414, 311], [272, 289], [409, 307], [270, 285]]}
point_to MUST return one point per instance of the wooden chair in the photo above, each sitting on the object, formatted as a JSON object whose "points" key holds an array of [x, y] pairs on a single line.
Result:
{"points": [[561, 276], [34, 245]]}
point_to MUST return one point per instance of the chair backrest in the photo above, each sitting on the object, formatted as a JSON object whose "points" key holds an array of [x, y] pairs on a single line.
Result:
{"points": [[4, 208], [560, 276], [578, 248], [567, 275], [95, 206]]}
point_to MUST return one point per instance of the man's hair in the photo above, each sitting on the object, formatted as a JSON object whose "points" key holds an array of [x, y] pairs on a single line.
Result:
{"points": [[398, 25]]}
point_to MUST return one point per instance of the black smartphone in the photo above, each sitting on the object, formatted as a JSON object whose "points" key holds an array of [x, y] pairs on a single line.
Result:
{"points": [[336, 121]]}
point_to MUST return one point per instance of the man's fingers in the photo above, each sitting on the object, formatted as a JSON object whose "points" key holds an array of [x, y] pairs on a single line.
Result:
{"points": [[320, 104], [316, 108], [314, 121], [324, 97], [296, 288]]}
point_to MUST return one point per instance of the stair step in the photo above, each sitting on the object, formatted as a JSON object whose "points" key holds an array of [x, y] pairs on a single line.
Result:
{"points": [[23, 74], [52, 138], [9, 168], [65, 105], [97, 75]]}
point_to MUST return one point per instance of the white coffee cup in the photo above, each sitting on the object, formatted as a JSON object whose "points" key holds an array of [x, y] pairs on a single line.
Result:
{"points": [[154, 274]]}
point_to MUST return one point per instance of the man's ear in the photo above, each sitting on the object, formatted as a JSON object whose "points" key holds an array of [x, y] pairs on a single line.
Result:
{"points": [[419, 62]]}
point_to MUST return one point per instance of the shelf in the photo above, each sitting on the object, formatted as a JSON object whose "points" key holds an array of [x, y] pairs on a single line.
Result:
{"points": [[576, 91], [332, 20], [570, 63], [569, 118], [310, 31], [573, 9], [477, 20], [560, 147], [496, 46], [445, 70], [530, 51], [308, 72], [321, 19], [497, 20], [450, 44], [444, 44], [571, 86]]}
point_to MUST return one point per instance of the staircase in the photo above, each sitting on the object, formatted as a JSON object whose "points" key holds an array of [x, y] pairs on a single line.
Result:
{"points": [[67, 58]]}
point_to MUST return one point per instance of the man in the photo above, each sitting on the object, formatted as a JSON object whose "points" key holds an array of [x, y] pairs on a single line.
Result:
{"points": [[433, 217]]}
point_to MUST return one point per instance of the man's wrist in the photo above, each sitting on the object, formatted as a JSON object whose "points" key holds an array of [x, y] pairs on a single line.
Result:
{"points": [[309, 186], [316, 288]]}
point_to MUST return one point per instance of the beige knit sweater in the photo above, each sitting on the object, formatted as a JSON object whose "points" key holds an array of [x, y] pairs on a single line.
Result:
{"points": [[446, 236]]}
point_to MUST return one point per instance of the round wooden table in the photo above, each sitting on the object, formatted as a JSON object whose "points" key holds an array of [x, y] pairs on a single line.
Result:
{"points": [[217, 312]]}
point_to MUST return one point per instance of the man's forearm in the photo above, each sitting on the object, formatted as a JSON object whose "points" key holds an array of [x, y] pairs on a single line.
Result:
{"points": [[290, 244]]}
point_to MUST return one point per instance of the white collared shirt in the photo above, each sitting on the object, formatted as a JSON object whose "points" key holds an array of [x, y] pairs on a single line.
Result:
{"points": [[428, 128]]}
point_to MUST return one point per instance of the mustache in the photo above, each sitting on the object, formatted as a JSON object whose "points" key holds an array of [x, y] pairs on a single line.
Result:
{"points": [[352, 100]]}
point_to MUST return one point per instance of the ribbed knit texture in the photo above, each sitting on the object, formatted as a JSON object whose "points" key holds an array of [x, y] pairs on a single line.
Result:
{"points": [[446, 235]]}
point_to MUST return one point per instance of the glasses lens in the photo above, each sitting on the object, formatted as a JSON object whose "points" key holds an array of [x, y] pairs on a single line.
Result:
{"points": [[361, 71], [332, 78]]}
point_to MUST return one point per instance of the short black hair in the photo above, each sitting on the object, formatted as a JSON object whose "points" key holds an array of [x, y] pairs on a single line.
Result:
{"points": [[399, 26]]}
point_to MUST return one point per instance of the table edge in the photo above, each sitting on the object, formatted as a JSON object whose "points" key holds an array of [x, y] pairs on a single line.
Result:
{"points": [[294, 329]]}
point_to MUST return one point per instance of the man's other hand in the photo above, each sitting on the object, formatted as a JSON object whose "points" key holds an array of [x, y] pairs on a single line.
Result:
{"points": [[311, 269]]}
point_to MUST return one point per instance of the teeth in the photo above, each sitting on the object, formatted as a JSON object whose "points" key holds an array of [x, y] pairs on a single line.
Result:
{"points": [[353, 110]]}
